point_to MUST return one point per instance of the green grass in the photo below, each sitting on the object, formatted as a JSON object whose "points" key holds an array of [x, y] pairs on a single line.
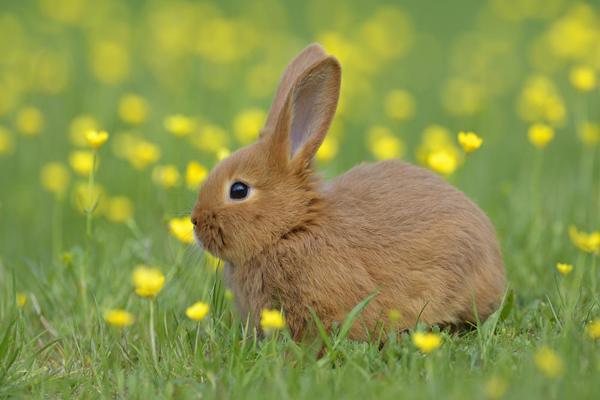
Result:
{"points": [[58, 345]]}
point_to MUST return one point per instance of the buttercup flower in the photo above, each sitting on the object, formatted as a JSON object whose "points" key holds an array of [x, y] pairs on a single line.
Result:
{"points": [[589, 133], [95, 139], [195, 173], [78, 128], [6, 141], [540, 135], [593, 329], [21, 299], [179, 125], [133, 109], [383, 144], [247, 124], [588, 242], [426, 342], [166, 176], [55, 178], [182, 229], [118, 318], [147, 281], [271, 320], [443, 161], [495, 388], [564, 269], [222, 153], [394, 315], [549, 362], [197, 311], [30, 121], [469, 141], [119, 209], [583, 78], [328, 149], [82, 162], [399, 105]]}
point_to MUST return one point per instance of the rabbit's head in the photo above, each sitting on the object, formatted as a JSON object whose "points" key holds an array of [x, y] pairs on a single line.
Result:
{"points": [[266, 190]]}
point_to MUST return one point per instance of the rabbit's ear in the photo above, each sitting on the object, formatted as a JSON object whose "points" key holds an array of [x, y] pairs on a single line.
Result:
{"points": [[308, 111]]}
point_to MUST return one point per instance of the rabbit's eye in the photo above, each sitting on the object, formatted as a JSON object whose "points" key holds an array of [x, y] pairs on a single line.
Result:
{"points": [[238, 191]]}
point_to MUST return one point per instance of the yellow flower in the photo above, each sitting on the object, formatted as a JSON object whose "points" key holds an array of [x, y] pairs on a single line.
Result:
{"points": [[30, 121], [436, 138], [55, 178], [79, 127], [119, 209], [166, 176], [210, 138], [147, 281], [110, 62], [21, 299], [469, 141], [142, 154], [118, 318], [195, 173], [426, 342], [212, 262], [495, 388], [133, 109], [588, 133], [6, 141], [86, 200], [399, 105], [179, 125], [182, 229], [95, 139], [328, 149], [222, 153], [82, 162], [443, 161], [247, 125], [540, 135], [588, 242], [271, 320], [583, 78], [593, 329], [197, 311], [394, 315], [549, 362], [564, 269], [383, 144]]}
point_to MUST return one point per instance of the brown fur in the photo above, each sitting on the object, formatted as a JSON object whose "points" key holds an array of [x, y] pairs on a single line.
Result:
{"points": [[390, 227]]}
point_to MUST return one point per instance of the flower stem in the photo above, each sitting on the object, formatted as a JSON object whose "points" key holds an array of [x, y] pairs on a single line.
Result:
{"points": [[153, 335]]}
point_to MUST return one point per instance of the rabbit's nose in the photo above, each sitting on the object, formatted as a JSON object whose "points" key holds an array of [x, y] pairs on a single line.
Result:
{"points": [[194, 220]]}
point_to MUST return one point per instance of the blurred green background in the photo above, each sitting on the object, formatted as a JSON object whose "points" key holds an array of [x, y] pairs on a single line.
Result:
{"points": [[180, 84]]}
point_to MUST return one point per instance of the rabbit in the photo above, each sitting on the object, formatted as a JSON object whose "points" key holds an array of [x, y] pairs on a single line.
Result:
{"points": [[294, 242]]}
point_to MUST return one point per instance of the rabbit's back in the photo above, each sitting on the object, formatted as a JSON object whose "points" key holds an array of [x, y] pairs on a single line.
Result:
{"points": [[432, 252]]}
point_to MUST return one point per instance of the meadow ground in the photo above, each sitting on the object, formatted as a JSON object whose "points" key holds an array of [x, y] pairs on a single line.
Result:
{"points": [[179, 84]]}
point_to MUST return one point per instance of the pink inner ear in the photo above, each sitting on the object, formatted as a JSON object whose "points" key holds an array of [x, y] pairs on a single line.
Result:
{"points": [[307, 111]]}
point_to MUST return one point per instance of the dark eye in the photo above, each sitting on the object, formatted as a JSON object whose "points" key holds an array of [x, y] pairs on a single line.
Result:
{"points": [[239, 190]]}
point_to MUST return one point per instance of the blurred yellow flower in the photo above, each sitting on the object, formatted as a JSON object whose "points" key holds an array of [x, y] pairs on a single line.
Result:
{"points": [[583, 78], [197, 311], [142, 154], [96, 139], [66, 11], [540, 101], [495, 388], [549, 362], [118, 318], [84, 199], [30, 121], [195, 173], [589, 133], [247, 124], [271, 320], [399, 105], [328, 149], [588, 242], [593, 329], [166, 176], [443, 161], [182, 229], [469, 141], [147, 281], [179, 125], [6, 141], [383, 144], [110, 62], [119, 209], [540, 135], [436, 139], [461, 96], [564, 269], [21, 299], [394, 315], [426, 342], [82, 162], [222, 153], [133, 109], [79, 127], [55, 178], [211, 138], [213, 263]]}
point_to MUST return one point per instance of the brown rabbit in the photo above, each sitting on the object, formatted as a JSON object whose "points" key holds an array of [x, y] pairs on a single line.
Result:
{"points": [[292, 241]]}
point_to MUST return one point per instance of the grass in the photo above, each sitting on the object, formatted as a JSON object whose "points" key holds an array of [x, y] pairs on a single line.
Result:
{"points": [[72, 267]]}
